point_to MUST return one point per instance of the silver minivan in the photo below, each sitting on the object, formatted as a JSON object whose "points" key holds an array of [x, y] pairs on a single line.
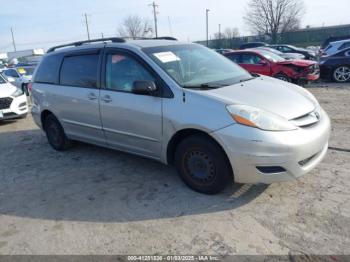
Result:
{"points": [[180, 104]]}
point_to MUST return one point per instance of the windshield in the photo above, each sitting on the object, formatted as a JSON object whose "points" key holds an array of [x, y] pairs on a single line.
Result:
{"points": [[26, 71], [194, 65], [271, 56]]}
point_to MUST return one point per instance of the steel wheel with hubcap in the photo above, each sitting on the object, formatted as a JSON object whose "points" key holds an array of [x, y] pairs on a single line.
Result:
{"points": [[341, 74], [203, 165]]}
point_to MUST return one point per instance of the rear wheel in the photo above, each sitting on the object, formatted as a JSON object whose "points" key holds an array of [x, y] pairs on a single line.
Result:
{"points": [[55, 134], [282, 77], [203, 165], [341, 74]]}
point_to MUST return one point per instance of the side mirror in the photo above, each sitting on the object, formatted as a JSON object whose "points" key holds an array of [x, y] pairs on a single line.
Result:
{"points": [[144, 87]]}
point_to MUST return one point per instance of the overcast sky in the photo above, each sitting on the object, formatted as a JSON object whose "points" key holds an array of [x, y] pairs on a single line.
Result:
{"points": [[43, 23]]}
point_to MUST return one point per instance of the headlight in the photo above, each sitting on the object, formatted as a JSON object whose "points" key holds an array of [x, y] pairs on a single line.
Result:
{"points": [[17, 93], [255, 117]]}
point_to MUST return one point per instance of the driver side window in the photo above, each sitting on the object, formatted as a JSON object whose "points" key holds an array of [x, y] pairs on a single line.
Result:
{"points": [[250, 59], [122, 70]]}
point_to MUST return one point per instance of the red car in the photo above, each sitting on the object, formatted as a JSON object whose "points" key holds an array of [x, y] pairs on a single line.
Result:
{"points": [[266, 63]]}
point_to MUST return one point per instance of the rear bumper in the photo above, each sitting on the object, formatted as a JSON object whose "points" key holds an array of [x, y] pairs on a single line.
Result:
{"points": [[295, 152]]}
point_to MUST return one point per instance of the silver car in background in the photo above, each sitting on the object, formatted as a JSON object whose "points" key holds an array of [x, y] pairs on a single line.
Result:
{"points": [[180, 104]]}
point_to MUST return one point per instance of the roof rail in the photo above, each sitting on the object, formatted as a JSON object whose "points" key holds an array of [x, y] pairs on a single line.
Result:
{"points": [[79, 43], [165, 38]]}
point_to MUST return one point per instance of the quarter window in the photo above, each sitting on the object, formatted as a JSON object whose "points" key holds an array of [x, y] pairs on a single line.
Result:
{"points": [[80, 70], [47, 71], [123, 70]]}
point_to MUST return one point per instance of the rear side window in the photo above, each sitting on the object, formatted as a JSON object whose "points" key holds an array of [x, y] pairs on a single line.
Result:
{"points": [[234, 58], [80, 71], [47, 71]]}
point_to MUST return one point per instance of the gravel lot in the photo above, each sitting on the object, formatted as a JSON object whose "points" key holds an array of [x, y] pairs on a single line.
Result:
{"points": [[91, 200]]}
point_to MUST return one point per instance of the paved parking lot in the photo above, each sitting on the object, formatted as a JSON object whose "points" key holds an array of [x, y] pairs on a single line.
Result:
{"points": [[91, 200]]}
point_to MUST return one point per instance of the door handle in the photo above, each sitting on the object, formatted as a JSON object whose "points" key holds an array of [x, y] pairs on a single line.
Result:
{"points": [[92, 96], [106, 99]]}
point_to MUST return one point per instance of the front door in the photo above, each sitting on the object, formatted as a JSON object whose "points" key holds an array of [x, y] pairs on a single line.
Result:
{"points": [[131, 122]]}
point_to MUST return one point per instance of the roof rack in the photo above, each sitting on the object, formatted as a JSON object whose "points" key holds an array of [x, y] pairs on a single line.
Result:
{"points": [[165, 38], [111, 39], [79, 43]]}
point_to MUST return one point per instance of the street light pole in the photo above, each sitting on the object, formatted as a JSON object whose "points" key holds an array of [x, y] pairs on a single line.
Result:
{"points": [[207, 25], [13, 40]]}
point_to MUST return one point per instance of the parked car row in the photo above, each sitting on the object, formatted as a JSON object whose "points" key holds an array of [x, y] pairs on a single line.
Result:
{"points": [[293, 64]]}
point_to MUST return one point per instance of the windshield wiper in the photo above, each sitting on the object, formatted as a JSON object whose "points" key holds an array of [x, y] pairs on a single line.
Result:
{"points": [[246, 79], [204, 86]]}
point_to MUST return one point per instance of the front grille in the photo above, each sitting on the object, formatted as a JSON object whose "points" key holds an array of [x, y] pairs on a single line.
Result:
{"points": [[307, 120], [5, 102], [314, 69]]}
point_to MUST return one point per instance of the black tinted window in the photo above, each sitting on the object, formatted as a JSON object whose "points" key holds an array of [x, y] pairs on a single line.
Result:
{"points": [[234, 58], [80, 71], [47, 71]]}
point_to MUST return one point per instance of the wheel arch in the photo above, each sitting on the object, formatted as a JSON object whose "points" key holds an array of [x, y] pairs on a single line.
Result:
{"points": [[183, 134]]}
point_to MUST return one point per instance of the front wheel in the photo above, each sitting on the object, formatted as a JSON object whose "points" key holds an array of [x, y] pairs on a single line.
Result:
{"points": [[203, 165], [341, 74], [55, 134], [282, 77]]}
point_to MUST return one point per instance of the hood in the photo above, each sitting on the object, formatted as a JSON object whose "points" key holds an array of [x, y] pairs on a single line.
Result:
{"points": [[284, 99], [297, 62], [293, 56], [7, 89]]}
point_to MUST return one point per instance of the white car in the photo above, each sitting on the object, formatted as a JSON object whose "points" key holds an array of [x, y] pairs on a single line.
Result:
{"points": [[335, 47], [19, 76], [13, 101]]}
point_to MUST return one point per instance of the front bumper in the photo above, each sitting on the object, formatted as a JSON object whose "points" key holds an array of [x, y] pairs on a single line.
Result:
{"points": [[296, 152], [17, 109]]}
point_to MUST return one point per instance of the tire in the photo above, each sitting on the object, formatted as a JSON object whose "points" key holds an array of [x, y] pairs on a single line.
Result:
{"points": [[282, 77], [203, 165], [25, 89], [341, 74], [55, 134]]}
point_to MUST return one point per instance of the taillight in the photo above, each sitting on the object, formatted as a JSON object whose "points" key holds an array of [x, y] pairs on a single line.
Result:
{"points": [[30, 87]]}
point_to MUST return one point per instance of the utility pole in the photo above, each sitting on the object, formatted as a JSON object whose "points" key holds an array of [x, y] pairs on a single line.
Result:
{"points": [[13, 40], [102, 35], [170, 27], [207, 26], [155, 6], [87, 26], [219, 35]]}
